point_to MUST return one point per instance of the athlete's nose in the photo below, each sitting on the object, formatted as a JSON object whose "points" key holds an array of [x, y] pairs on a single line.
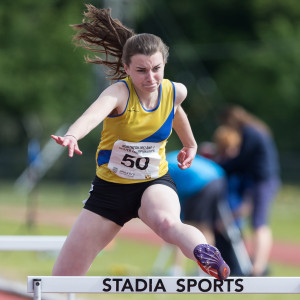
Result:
{"points": [[150, 76]]}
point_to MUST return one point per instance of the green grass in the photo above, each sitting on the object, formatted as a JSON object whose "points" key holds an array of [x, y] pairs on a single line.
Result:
{"points": [[126, 257], [53, 194], [285, 218]]}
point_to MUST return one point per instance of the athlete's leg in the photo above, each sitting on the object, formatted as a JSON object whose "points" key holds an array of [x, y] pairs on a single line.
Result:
{"points": [[178, 262], [207, 231], [200, 211], [160, 210], [89, 235]]}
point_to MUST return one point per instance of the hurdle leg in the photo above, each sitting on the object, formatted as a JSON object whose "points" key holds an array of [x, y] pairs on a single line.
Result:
{"points": [[71, 296], [163, 256], [37, 289], [235, 237]]}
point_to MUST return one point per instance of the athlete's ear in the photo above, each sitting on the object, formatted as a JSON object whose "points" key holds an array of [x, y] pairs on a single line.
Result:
{"points": [[126, 68]]}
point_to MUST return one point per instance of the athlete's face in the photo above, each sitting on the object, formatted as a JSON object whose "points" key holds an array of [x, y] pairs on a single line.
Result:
{"points": [[146, 72]]}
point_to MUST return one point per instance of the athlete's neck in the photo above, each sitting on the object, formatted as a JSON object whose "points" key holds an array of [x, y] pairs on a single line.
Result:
{"points": [[148, 100]]}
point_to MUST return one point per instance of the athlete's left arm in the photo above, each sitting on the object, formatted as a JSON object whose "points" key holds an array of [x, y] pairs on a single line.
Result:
{"points": [[183, 129]]}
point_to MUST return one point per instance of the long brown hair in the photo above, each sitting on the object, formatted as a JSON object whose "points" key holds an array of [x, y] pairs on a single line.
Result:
{"points": [[100, 33]]}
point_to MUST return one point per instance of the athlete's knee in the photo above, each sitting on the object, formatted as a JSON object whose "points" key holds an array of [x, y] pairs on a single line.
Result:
{"points": [[165, 227]]}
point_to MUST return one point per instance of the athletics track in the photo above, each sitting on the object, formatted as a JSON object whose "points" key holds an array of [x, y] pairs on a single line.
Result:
{"points": [[284, 253]]}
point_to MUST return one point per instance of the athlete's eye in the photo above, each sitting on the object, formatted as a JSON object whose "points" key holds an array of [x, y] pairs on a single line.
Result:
{"points": [[156, 68]]}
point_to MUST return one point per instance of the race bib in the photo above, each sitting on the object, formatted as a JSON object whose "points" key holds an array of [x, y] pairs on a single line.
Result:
{"points": [[135, 160]]}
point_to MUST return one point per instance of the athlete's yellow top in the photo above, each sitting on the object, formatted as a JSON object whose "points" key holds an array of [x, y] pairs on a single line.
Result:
{"points": [[137, 124]]}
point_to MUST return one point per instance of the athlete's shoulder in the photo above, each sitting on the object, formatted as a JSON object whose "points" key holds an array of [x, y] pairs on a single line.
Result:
{"points": [[117, 95], [180, 92], [118, 89]]}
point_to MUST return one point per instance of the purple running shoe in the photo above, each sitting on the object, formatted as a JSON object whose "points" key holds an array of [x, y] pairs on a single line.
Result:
{"points": [[211, 262]]}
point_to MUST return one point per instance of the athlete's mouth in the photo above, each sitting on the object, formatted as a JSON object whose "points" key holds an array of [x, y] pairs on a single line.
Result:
{"points": [[151, 85]]}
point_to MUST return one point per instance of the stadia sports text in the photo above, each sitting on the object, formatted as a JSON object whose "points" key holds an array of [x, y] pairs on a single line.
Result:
{"points": [[167, 285]]}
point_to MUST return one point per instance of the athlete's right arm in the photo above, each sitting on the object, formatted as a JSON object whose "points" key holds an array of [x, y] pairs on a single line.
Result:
{"points": [[112, 98]]}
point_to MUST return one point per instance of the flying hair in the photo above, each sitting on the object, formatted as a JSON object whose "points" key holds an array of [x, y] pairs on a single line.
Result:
{"points": [[100, 33]]}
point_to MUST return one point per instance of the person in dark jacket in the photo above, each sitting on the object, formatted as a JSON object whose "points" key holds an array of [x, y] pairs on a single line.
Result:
{"points": [[257, 165]]}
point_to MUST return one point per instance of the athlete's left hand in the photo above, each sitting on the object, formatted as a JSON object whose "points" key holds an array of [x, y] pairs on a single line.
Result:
{"points": [[186, 156]]}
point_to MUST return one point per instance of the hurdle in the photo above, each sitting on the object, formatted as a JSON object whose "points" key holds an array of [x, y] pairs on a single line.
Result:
{"points": [[31, 242], [160, 285]]}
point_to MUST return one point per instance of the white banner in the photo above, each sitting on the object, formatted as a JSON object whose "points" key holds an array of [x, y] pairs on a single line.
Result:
{"points": [[165, 285]]}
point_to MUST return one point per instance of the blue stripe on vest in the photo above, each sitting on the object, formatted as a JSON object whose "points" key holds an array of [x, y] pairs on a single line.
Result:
{"points": [[103, 157], [163, 132]]}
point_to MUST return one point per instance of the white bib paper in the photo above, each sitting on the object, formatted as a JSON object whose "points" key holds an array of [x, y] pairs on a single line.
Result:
{"points": [[135, 160]]}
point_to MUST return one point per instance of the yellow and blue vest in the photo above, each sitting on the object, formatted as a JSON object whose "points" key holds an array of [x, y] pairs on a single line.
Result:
{"points": [[137, 124]]}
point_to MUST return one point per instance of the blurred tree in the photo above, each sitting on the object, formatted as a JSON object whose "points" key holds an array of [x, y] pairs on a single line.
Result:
{"points": [[41, 74], [236, 51], [242, 52]]}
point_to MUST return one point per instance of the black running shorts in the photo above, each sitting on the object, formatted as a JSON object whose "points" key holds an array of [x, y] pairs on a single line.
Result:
{"points": [[120, 202]]}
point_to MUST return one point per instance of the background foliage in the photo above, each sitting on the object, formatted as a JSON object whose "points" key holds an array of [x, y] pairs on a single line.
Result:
{"points": [[233, 51], [40, 71]]}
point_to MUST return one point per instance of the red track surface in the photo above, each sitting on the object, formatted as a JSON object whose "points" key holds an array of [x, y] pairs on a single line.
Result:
{"points": [[9, 296]]}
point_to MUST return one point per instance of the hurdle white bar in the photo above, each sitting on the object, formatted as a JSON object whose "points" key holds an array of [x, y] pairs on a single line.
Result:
{"points": [[31, 242], [161, 285]]}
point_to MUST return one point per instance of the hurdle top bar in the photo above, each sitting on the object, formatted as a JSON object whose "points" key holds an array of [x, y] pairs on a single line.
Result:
{"points": [[162, 285], [31, 242]]}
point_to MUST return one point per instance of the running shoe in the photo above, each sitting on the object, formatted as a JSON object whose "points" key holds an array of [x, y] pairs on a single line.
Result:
{"points": [[211, 262]]}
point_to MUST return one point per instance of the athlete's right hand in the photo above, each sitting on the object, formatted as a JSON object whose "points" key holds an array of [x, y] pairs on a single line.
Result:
{"points": [[68, 141]]}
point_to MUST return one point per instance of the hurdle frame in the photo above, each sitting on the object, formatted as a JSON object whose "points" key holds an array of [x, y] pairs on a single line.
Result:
{"points": [[38, 243], [160, 285]]}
